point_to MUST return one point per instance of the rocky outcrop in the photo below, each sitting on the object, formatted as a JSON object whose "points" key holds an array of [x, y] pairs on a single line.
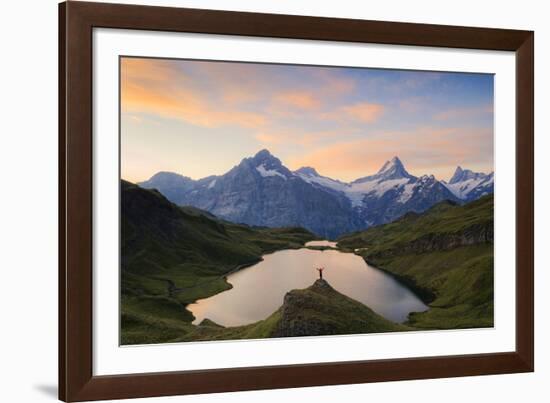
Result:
{"points": [[476, 234], [473, 235], [321, 310]]}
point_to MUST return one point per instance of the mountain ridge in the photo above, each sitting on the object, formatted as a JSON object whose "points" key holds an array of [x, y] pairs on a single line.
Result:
{"points": [[468, 185], [261, 190]]}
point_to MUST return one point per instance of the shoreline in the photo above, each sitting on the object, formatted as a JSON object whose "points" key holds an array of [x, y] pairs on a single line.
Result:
{"points": [[172, 289], [426, 295]]}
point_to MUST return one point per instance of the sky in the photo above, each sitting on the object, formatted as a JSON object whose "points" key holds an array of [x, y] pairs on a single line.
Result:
{"points": [[201, 118]]}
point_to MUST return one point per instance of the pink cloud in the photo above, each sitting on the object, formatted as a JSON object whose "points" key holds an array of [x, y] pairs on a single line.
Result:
{"points": [[362, 112], [237, 94], [296, 137], [185, 105], [298, 99], [426, 150], [155, 87]]}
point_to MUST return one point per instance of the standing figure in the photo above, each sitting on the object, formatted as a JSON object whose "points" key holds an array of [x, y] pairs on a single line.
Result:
{"points": [[320, 270]]}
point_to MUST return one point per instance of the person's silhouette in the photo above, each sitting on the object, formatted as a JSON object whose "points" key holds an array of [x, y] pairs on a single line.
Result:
{"points": [[320, 270]]}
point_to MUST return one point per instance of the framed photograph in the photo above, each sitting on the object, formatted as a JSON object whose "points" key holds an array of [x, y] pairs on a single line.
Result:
{"points": [[252, 201]]}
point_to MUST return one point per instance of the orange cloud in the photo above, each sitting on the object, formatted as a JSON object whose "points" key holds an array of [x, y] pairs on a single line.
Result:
{"points": [[298, 99], [150, 70], [294, 137], [154, 87], [362, 112], [184, 105], [170, 89], [427, 150]]}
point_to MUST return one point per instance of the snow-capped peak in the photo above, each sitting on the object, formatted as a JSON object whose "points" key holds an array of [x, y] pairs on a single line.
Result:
{"points": [[307, 171], [394, 163], [266, 158], [392, 169], [264, 153], [461, 175], [266, 164], [468, 185], [456, 175], [310, 175]]}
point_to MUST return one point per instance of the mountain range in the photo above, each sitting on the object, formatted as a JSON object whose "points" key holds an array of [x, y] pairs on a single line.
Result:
{"points": [[261, 191], [468, 185]]}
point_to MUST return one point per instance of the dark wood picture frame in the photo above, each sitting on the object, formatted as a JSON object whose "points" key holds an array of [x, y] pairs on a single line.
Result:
{"points": [[76, 23]]}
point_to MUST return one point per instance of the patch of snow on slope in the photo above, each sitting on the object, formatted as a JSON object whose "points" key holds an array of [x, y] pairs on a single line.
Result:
{"points": [[407, 193], [379, 188], [357, 191], [268, 172], [212, 184], [324, 181], [461, 189], [356, 198]]}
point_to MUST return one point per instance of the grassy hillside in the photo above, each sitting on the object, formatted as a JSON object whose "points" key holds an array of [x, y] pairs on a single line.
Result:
{"points": [[172, 256], [445, 255], [315, 311]]}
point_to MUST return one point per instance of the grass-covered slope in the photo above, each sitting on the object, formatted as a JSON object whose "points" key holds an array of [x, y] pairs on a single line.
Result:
{"points": [[172, 256], [315, 311], [445, 254]]}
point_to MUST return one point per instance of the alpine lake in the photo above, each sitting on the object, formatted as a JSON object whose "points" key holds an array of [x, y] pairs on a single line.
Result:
{"points": [[259, 290]]}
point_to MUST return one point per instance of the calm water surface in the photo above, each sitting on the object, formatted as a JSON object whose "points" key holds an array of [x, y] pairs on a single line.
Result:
{"points": [[321, 243], [258, 290]]}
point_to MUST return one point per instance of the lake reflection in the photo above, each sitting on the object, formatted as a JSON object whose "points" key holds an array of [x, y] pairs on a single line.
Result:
{"points": [[322, 243], [258, 291]]}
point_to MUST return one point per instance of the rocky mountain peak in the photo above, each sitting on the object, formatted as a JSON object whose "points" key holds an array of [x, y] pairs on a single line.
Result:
{"points": [[427, 178], [264, 156], [392, 169], [469, 185], [456, 175], [171, 185], [261, 191], [393, 166], [168, 177], [308, 171], [266, 165], [461, 175]]}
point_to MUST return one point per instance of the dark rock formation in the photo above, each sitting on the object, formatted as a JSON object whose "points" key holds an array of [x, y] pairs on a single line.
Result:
{"points": [[321, 310]]}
